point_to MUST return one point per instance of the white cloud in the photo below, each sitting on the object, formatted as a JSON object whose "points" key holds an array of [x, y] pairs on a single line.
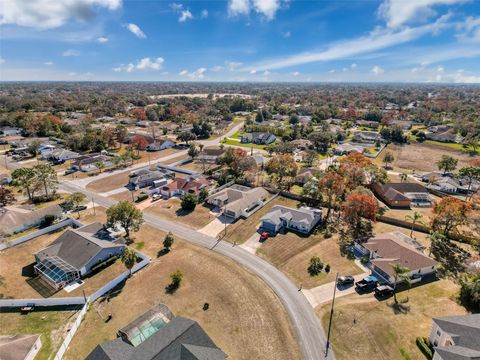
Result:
{"points": [[460, 77], [287, 34], [72, 73], [331, 71], [353, 66], [102, 39], [266, 73], [469, 30], [2, 60], [440, 69], [71, 52], [379, 38], [142, 65], [400, 12], [295, 73], [204, 13], [377, 70], [238, 7], [48, 63], [185, 15], [197, 74], [176, 7], [253, 72], [232, 65], [134, 29], [49, 14], [267, 8]]}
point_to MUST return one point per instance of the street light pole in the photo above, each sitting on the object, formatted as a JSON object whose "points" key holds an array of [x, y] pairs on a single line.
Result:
{"points": [[331, 316]]}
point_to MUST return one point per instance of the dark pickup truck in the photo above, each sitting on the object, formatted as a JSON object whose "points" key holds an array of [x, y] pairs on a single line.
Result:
{"points": [[368, 283]]}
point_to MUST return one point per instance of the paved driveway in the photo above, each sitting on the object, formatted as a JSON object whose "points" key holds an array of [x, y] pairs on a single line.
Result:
{"points": [[216, 226]]}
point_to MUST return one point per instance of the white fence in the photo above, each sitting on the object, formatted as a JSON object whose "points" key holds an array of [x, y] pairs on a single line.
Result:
{"points": [[42, 302], [71, 333], [48, 229]]}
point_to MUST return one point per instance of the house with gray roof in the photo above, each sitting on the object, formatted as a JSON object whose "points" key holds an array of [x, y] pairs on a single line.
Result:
{"points": [[260, 138], [19, 347], [238, 201], [281, 218], [159, 335], [456, 337], [147, 178], [16, 219], [74, 254]]}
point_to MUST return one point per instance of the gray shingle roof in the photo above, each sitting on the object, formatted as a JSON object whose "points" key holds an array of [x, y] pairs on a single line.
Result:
{"points": [[180, 339]]}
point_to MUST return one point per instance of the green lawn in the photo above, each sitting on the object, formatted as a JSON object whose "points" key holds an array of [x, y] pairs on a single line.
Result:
{"points": [[450, 145], [238, 143], [236, 135]]}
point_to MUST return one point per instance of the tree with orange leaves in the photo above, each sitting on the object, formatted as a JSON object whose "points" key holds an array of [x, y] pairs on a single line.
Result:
{"points": [[139, 113], [450, 213], [282, 167], [356, 208]]}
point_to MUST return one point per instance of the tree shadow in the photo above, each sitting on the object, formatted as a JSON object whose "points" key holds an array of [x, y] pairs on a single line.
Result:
{"points": [[171, 288], [183, 212], [28, 271], [117, 290], [163, 252], [401, 307]]}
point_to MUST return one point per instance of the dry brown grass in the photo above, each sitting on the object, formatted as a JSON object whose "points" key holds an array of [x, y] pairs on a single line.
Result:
{"points": [[245, 318], [109, 183], [243, 229], [292, 253], [421, 157], [171, 210], [364, 328]]}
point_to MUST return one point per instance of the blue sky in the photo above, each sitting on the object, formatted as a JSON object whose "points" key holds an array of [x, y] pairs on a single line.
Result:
{"points": [[241, 40]]}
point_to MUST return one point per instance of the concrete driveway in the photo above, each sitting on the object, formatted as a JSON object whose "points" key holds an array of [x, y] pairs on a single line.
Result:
{"points": [[252, 244], [216, 226]]}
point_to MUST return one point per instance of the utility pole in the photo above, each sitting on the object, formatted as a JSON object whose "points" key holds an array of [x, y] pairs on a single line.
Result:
{"points": [[93, 203], [331, 317]]}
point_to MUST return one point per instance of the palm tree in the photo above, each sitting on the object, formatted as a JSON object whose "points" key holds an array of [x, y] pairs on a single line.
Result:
{"points": [[403, 177], [129, 258], [100, 165], [415, 218], [400, 273]]}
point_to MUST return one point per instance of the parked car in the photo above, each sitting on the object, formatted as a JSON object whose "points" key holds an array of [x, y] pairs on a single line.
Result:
{"points": [[345, 280], [79, 208], [367, 284], [156, 197], [28, 308], [70, 171], [383, 291], [264, 236]]}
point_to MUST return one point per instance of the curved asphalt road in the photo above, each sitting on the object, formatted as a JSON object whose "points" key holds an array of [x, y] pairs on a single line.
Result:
{"points": [[306, 324]]}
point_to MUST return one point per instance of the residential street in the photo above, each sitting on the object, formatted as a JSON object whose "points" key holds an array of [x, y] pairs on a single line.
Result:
{"points": [[310, 334]]}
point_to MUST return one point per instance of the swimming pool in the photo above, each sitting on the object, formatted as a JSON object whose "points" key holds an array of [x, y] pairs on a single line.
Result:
{"points": [[144, 331]]}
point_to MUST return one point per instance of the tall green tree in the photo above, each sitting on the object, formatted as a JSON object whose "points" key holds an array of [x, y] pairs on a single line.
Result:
{"points": [[126, 215], [168, 241], [74, 200], [471, 174], [400, 274], [415, 218], [24, 178], [129, 259], [388, 158], [46, 175], [447, 163]]}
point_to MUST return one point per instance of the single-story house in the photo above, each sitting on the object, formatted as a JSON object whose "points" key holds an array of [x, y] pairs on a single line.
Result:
{"points": [[386, 250], [261, 138], [210, 156], [74, 254], [15, 219], [305, 119], [302, 144], [87, 162], [449, 184], [346, 148], [20, 347], [10, 131], [159, 335], [456, 337], [238, 201], [403, 195], [160, 145], [367, 136], [60, 155], [443, 133], [368, 123], [282, 218], [305, 174], [180, 187], [146, 178]]}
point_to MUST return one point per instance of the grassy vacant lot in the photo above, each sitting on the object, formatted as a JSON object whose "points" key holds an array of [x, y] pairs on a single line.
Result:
{"points": [[51, 323], [291, 254], [245, 318], [243, 229], [171, 210], [421, 157], [238, 143], [364, 328], [111, 182]]}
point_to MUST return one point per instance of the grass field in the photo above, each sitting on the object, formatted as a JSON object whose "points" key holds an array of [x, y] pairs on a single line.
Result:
{"points": [[50, 323], [245, 317], [238, 143], [421, 157], [171, 210], [111, 182], [291, 254], [378, 331], [243, 229]]}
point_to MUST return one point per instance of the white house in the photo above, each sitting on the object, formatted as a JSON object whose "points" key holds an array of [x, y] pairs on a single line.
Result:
{"points": [[281, 218], [160, 145]]}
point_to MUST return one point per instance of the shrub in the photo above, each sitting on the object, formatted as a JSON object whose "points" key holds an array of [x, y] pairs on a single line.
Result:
{"points": [[364, 260], [316, 266], [327, 268], [142, 196], [47, 221], [424, 346], [189, 202]]}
